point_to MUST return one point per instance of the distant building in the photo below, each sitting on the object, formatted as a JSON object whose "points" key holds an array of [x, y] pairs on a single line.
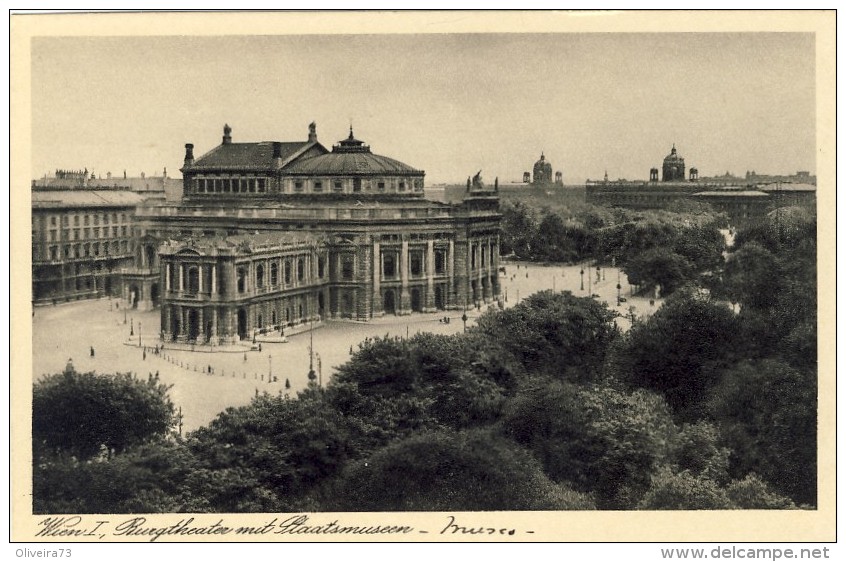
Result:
{"points": [[542, 174], [739, 198], [82, 233]]}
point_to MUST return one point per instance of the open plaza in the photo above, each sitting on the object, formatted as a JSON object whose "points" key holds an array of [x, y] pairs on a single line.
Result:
{"points": [[205, 383]]}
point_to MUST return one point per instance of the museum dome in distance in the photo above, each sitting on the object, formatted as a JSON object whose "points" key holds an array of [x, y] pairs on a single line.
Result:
{"points": [[352, 157], [673, 156]]}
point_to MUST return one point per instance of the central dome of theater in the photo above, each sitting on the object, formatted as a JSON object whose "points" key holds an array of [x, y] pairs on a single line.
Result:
{"points": [[351, 157]]}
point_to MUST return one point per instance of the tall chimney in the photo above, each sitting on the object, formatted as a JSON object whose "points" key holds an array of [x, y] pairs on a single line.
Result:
{"points": [[277, 154], [189, 154], [227, 134], [312, 132]]}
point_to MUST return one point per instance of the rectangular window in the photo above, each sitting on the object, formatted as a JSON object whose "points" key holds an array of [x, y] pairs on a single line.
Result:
{"points": [[337, 186], [261, 185], [76, 234], [402, 186], [318, 186], [123, 217], [381, 186], [76, 220], [96, 219], [86, 220], [114, 232], [298, 186], [53, 221], [114, 217], [105, 218], [356, 184], [440, 262], [347, 266]]}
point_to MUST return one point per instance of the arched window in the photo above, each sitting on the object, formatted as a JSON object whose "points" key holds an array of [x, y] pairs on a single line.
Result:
{"points": [[274, 274], [287, 272], [300, 269], [320, 266], [260, 276]]}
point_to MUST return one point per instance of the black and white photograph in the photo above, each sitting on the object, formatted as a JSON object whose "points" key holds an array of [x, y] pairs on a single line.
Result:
{"points": [[404, 277]]}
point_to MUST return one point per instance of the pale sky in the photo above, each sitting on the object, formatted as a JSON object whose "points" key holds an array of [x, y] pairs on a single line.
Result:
{"points": [[448, 104]]}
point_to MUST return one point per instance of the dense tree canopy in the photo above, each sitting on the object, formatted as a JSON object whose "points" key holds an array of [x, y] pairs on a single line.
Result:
{"points": [[445, 471], [83, 414]]}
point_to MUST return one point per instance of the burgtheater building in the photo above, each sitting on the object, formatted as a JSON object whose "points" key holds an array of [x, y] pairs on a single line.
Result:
{"points": [[269, 236]]}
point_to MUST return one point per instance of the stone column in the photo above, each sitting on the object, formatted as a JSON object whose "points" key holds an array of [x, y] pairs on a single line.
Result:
{"points": [[405, 297], [167, 277], [181, 277], [166, 319], [200, 275], [214, 279], [429, 302], [480, 289], [449, 298], [201, 333], [213, 335], [377, 279]]}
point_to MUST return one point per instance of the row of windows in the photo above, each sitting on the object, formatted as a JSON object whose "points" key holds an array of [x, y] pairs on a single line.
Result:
{"points": [[88, 219], [77, 251], [86, 233], [230, 185], [415, 263], [337, 186], [274, 273]]}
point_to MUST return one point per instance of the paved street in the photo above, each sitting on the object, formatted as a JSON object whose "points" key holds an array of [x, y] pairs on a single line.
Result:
{"points": [[69, 331]]}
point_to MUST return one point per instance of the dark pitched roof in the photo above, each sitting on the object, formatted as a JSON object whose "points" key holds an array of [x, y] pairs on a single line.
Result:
{"points": [[249, 155]]}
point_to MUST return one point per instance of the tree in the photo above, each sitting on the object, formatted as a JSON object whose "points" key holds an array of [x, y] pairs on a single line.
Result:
{"points": [[767, 411], [84, 413], [679, 351], [448, 471], [276, 446], [659, 266], [553, 333], [597, 439]]}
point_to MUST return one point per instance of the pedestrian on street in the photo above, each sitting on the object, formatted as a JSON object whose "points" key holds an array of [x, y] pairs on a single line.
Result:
{"points": [[259, 348], [144, 355], [92, 351]]}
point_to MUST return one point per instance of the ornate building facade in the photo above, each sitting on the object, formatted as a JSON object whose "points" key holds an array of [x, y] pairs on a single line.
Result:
{"points": [[272, 235]]}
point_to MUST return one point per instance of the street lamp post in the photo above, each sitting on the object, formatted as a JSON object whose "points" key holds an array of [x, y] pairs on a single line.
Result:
{"points": [[124, 315], [582, 276], [618, 287], [139, 333], [132, 326], [269, 368]]}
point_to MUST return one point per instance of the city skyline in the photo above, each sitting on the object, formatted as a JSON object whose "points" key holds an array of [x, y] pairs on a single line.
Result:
{"points": [[447, 104]]}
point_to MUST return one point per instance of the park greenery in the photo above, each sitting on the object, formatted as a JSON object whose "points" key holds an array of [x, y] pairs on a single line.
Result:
{"points": [[666, 248], [710, 403]]}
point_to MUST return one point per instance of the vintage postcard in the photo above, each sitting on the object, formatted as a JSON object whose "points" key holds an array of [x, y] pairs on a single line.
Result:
{"points": [[423, 277]]}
